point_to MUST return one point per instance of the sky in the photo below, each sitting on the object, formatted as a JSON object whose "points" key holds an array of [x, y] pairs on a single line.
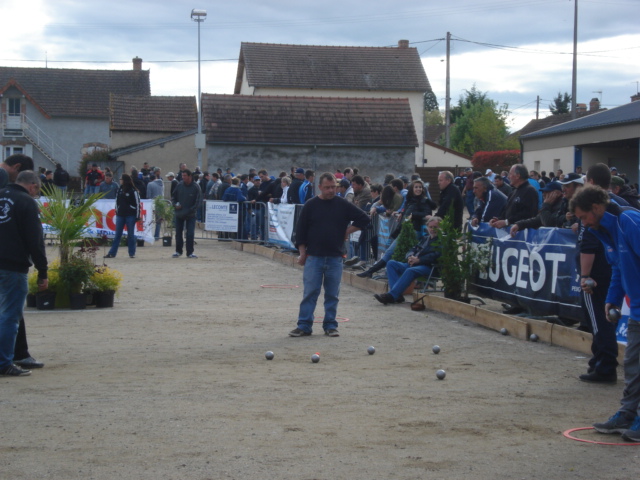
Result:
{"points": [[513, 50]]}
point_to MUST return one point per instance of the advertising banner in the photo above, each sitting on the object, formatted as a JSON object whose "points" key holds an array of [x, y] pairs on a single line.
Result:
{"points": [[281, 219], [103, 222], [535, 270], [221, 216]]}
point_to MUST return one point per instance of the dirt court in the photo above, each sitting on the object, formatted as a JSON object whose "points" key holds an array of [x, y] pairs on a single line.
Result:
{"points": [[172, 383]]}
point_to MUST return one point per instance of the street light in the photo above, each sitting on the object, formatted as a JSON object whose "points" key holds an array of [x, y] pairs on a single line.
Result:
{"points": [[199, 16]]}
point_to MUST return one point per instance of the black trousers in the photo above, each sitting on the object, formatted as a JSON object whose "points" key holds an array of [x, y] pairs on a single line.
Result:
{"points": [[604, 345], [21, 350]]}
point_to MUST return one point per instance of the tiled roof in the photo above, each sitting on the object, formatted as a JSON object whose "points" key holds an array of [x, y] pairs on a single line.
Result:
{"points": [[153, 114], [247, 119], [549, 121], [65, 92], [433, 132], [335, 68], [624, 114]]}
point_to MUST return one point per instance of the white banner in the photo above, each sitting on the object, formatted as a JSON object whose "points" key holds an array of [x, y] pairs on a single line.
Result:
{"points": [[221, 216], [281, 217], [103, 220]]}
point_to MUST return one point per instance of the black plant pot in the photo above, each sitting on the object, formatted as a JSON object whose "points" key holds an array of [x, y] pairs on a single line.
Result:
{"points": [[140, 242], [77, 301], [46, 300], [166, 241], [104, 299]]}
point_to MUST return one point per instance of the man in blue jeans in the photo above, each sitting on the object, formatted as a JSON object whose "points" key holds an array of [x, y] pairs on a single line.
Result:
{"points": [[21, 243], [325, 222], [421, 260], [618, 229]]}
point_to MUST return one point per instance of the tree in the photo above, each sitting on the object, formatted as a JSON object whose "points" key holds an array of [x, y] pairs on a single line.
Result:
{"points": [[480, 125], [433, 118], [561, 104], [430, 101]]}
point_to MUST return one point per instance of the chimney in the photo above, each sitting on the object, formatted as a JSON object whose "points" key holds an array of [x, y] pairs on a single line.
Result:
{"points": [[581, 107], [635, 98], [403, 43], [594, 105], [137, 63]]}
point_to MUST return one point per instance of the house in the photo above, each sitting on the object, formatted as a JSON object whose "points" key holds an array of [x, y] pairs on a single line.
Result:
{"points": [[159, 130], [321, 133], [336, 72], [608, 136], [59, 114]]}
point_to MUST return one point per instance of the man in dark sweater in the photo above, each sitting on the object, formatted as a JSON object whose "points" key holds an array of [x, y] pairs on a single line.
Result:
{"points": [[324, 224], [21, 243], [523, 202], [186, 199], [450, 196]]}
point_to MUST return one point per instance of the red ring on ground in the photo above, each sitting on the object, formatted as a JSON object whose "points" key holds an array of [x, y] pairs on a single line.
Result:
{"points": [[279, 286], [338, 319], [567, 434]]}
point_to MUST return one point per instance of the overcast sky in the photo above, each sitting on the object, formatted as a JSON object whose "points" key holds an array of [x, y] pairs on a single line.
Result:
{"points": [[101, 34]]}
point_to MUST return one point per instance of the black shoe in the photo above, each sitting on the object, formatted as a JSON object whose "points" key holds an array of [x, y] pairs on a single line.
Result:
{"points": [[296, 332], [595, 377], [28, 363], [14, 371], [384, 298], [513, 310], [400, 299], [379, 265], [108, 255], [365, 274], [332, 332]]}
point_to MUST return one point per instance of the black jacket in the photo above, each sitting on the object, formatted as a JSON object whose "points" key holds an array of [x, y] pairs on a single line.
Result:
{"points": [[451, 196], [127, 203], [21, 238]]}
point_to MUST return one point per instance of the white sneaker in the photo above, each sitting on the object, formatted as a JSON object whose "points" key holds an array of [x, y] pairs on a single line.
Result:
{"points": [[176, 255]]}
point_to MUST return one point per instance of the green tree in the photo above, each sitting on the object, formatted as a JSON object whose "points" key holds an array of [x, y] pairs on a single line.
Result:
{"points": [[430, 102], [481, 124], [561, 104], [433, 118]]}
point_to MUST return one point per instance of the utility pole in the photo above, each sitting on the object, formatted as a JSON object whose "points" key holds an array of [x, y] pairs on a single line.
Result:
{"points": [[447, 100], [537, 106], [574, 88]]}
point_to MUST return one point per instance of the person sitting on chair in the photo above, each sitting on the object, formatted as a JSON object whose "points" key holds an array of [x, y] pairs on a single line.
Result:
{"points": [[421, 260]]}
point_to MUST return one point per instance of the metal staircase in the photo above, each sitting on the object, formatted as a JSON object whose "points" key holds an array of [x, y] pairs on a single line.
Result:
{"points": [[28, 129]]}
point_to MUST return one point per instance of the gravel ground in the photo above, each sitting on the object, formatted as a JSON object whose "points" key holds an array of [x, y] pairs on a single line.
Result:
{"points": [[172, 383]]}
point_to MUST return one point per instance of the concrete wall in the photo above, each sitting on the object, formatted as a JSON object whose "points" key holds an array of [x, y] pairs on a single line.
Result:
{"points": [[442, 158], [373, 162], [167, 156]]}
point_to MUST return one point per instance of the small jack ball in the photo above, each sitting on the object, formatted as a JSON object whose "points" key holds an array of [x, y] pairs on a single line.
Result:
{"points": [[371, 350], [269, 355], [533, 337], [504, 331], [315, 358], [441, 374], [436, 349], [614, 314]]}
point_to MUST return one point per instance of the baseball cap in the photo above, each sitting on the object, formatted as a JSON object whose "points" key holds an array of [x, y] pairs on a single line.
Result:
{"points": [[552, 186], [613, 168], [617, 181], [344, 183], [571, 178], [488, 171], [170, 174], [299, 170], [256, 178]]}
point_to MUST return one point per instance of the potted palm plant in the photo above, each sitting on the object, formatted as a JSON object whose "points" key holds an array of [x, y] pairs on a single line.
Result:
{"points": [[164, 214], [69, 220]]}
